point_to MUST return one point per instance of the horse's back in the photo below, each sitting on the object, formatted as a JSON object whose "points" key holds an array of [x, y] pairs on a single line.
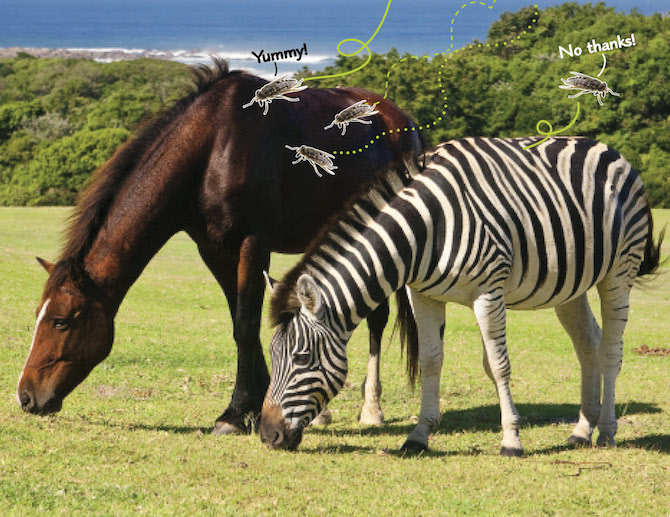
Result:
{"points": [[250, 183]]}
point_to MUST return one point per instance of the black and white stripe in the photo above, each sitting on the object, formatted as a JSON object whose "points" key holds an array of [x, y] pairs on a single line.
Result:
{"points": [[490, 225]]}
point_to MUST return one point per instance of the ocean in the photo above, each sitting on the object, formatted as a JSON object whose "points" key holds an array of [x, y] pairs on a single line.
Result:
{"points": [[193, 30]]}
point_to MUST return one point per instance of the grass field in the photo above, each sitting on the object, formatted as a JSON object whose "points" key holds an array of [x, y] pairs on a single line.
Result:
{"points": [[133, 438]]}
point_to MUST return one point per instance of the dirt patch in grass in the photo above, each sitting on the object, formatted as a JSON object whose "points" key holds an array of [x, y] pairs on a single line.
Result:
{"points": [[645, 350]]}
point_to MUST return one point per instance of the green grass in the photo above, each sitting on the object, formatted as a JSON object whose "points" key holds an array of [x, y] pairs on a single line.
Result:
{"points": [[133, 438]]}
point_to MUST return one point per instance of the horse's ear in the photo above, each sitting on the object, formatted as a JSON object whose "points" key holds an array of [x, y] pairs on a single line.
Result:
{"points": [[48, 266], [271, 283], [310, 296]]}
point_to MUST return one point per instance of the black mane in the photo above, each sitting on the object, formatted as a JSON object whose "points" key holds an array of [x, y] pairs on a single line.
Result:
{"points": [[96, 200]]}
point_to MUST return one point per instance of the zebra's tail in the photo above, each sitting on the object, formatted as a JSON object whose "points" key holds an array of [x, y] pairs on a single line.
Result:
{"points": [[651, 260], [409, 337]]}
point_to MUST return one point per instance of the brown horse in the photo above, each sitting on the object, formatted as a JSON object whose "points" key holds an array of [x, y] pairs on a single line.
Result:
{"points": [[222, 174]]}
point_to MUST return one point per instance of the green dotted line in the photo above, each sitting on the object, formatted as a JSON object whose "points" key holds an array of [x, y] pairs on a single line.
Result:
{"points": [[446, 55]]}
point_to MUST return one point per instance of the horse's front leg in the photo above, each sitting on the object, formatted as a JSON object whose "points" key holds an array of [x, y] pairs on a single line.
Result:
{"points": [[429, 316], [252, 378], [490, 313]]}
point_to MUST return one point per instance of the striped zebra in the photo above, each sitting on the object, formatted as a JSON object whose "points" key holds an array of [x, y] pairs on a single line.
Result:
{"points": [[486, 224]]}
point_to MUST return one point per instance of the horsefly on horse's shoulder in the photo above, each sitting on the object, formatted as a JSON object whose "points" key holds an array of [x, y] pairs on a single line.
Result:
{"points": [[276, 89], [315, 157], [587, 84], [353, 113]]}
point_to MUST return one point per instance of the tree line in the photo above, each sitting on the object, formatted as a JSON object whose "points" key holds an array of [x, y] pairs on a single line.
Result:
{"points": [[61, 118]]}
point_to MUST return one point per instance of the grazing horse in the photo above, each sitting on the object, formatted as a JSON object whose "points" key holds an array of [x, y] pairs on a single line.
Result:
{"points": [[223, 175], [488, 224]]}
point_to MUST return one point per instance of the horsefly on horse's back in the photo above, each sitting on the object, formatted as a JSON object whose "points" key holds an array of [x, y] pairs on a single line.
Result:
{"points": [[353, 113], [276, 89], [314, 157]]}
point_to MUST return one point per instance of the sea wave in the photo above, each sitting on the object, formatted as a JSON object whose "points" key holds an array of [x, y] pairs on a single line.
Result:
{"points": [[191, 56], [237, 59]]}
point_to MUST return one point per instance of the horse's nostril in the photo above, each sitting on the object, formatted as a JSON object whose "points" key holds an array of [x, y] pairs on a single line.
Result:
{"points": [[26, 401]]}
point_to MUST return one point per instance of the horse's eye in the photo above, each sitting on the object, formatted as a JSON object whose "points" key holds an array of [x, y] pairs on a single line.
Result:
{"points": [[302, 358], [60, 324]]}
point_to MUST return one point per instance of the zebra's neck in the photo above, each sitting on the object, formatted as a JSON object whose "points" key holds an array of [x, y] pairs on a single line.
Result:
{"points": [[363, 261]]}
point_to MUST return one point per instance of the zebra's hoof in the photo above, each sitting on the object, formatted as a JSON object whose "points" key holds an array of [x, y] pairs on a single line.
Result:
{"points": [[511, 452], [412, 447], [579, 441], [372, 416]]}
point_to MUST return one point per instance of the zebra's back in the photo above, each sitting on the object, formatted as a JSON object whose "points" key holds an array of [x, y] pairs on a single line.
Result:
{"points": [[542, 224]]}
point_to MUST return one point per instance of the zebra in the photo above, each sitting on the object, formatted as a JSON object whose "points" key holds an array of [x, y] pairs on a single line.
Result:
{"points": [[487, 224]]}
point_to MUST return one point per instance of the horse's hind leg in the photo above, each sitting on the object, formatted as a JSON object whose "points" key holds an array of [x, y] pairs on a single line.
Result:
{"points": [[371, 412], [578, 321], [614, 297]]}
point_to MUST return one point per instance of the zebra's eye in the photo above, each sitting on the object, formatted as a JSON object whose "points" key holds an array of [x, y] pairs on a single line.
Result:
{"points": [[302, 358]]}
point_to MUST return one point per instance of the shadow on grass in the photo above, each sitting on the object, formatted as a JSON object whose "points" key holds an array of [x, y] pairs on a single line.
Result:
{"points": [[653, 442], [475, 419], [487, 418]]}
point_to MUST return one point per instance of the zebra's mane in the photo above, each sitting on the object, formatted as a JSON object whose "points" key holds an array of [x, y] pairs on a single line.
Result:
{"points": [[285, 303]]}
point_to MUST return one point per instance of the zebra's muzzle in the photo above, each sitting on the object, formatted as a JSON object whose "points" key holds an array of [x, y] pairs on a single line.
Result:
{"points": [[274, 432]]}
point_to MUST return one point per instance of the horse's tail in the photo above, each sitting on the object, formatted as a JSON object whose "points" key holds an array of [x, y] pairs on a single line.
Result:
{"points": [[651, 260], [409, 337]]}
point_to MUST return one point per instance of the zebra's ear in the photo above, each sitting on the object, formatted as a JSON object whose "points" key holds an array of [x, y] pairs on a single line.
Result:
{"points": [[309, 295], [271, 283]]}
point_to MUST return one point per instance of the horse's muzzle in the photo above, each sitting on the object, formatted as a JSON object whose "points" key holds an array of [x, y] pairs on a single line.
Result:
{"points": [[29, 403]]}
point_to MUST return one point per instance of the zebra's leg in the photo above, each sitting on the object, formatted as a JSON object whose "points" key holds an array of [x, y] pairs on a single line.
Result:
{"points": [[429, 316], [371, 412], [490, 313], [578, 321], [614, 293]]}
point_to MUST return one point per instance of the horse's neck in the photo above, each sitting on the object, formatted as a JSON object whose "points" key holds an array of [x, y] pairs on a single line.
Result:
{"points": [[142, 218]]}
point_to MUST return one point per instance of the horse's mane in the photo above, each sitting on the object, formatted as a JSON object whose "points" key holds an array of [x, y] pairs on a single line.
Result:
{"points": [[284, 302], [95, 202]]}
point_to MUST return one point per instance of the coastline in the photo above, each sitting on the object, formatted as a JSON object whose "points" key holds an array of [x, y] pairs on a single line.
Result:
{"points": [[103, 54], [237, 60]]}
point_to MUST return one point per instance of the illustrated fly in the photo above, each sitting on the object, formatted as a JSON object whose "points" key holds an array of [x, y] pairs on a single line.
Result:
{"points": [[586, 84], [314, 157], [353, 113], [277, 89]]}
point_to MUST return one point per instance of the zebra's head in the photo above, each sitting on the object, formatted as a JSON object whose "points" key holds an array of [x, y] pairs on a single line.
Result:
{"points": [[309, 367]]}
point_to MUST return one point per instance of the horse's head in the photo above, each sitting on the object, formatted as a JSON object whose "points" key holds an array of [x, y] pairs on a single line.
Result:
{"points": [[309, 367], [74, 332]]}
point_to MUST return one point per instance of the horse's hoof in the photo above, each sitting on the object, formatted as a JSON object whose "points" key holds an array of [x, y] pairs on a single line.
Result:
{"points": [[323, 418], [605, 440], [221, 428], [412, 447], [511, 452], [579, 441]]}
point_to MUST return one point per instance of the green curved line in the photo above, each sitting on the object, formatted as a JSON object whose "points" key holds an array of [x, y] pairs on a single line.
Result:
{"points": [[363, 46], [551, 131]]}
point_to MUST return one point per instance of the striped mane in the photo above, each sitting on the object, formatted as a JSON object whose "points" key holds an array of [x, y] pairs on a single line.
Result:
{"points": [[284, 303]]}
